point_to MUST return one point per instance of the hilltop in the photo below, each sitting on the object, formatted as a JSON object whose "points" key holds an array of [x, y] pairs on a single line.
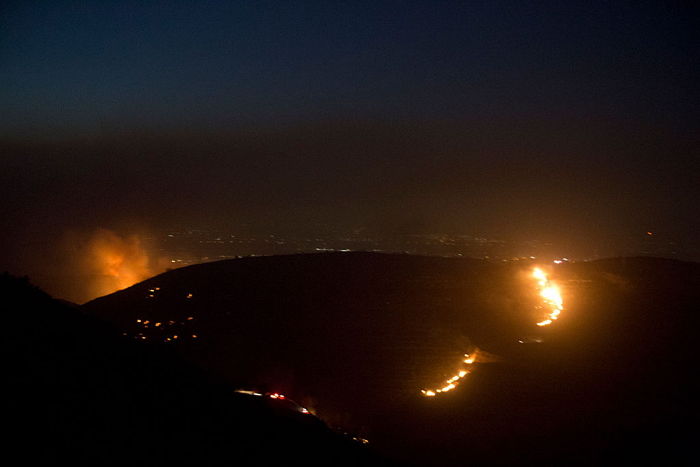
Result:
{"points": [[355, 336]]}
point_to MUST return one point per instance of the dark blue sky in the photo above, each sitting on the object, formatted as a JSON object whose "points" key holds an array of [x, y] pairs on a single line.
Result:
{"points": [[562, 121], [87, 66]]}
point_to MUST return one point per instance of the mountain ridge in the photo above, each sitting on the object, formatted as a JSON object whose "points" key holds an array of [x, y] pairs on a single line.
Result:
{"points": [[357, 335]]}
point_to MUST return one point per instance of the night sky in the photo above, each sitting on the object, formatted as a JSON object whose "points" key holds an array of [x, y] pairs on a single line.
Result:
{"points": [[555, 120]]}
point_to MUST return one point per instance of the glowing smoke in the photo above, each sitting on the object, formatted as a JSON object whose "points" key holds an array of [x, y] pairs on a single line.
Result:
{"points": [[113, 262]]}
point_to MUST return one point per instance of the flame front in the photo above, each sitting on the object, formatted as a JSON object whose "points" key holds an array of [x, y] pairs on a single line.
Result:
{"points": [[453, 381], [551, 297], [551, 300]]}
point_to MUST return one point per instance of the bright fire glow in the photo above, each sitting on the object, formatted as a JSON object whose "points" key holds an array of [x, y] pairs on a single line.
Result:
{"points": [[552, 302], [115, 262], [551, 297], [453, 381]]}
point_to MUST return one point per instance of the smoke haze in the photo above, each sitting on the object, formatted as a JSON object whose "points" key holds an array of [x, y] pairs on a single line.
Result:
{"points": [[86, 265], [114, 262]]}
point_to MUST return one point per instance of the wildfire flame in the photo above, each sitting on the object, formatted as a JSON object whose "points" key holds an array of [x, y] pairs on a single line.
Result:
{"points": [[551, 296], [453, 381], [552, 301]]}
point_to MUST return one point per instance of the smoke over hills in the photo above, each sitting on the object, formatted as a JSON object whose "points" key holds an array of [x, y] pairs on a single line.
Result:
{"points": [[115, 262], [82, 265]]}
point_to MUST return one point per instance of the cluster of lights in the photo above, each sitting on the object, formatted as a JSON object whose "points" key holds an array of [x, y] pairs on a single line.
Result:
{"points": [[152, 293], [452, 382], [551, 296], [147, 324]]}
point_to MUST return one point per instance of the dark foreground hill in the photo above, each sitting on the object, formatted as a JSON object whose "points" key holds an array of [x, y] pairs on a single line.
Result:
{"points": [[79, 393], [356, 336]]}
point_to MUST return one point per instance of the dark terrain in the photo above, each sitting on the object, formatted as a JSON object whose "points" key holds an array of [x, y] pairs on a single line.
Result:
{"points": [[80, 393], [354, 337]]}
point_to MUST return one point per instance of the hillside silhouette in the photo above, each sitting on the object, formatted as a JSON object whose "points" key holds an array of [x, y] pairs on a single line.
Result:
{"points": [[357, 335], [81, 393]]}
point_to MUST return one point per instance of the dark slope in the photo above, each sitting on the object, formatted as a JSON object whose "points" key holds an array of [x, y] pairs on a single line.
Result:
{"points": [[355, 331], [82, 394], [357, 335]]}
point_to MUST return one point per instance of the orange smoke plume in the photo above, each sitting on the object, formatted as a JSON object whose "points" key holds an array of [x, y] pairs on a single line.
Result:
{"points": [[115, 262]]}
